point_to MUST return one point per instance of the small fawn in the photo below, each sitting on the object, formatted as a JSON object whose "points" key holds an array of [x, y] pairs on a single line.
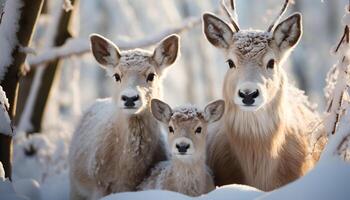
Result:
{"points": [[186, 172]]}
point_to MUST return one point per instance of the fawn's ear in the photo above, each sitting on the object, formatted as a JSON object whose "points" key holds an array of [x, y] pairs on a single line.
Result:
{"points": [[105, 52], [166, 51], [214, 111], [161, 111], [288, 33], [217, 31]]}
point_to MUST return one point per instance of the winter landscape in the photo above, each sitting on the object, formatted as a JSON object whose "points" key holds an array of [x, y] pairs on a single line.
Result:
{"points": [[204, 106]]}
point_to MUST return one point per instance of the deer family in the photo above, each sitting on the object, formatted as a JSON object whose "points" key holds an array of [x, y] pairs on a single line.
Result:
{"points": [[263, 138], [118, 140], [186, 172]]}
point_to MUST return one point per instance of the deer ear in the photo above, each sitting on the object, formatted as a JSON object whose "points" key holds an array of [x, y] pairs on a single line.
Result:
{"points": [[288, 33], [217, 31], [161, 111], [104, 51], [214, 111], [166, 51]]}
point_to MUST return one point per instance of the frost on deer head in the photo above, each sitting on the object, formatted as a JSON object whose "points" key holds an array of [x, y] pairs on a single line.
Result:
{"points": [[254, 58], [137, 72], [187, 126]]}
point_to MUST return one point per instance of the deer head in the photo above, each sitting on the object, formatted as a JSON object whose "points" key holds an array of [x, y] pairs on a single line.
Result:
{"points": [[187, 126], [137, 73], [254, 58]]}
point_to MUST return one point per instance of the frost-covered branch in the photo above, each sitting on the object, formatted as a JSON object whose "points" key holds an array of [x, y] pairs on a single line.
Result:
{"points": [[338, 79], [79, 46], [8, 30]]}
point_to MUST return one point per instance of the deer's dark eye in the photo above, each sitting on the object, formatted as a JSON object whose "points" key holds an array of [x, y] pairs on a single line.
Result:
{"points": [[198, 130], [150, 77], [117, 77], [231, 64], [171, 130], [270, 64]]}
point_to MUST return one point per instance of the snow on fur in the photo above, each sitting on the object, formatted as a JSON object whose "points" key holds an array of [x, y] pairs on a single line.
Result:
{"points": [[8, 29], [186, 112], [251, 42]]}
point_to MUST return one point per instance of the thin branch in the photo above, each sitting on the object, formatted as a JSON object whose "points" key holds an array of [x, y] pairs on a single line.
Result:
{"points": [[80, 46], [278, 18], [233, 20], [345, 37], [1, 14]]}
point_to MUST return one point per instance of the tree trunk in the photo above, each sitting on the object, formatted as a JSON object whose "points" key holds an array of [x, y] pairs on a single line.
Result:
{"points": [[27, 21], [52, 70]]}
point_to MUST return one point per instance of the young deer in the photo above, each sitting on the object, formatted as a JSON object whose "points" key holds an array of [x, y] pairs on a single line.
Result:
{"points": [[263, 139], [186, 172], [118, 140]]}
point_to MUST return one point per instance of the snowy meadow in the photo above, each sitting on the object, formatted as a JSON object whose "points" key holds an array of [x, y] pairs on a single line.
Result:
{"points": [[52, 72]]}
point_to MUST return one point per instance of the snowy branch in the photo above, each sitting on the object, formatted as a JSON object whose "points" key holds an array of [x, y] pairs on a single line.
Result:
{"points": [[8, 31], [5, 121], [80, 46], [338, 79]]}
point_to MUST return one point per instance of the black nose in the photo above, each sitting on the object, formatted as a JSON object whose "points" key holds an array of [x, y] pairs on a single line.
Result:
{"points": [[130, 101], [182, 147], [248, 96]]}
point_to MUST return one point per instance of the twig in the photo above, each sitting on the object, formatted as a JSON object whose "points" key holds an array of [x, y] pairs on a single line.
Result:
{"points": [[277, 19], [344, 36], [2, 14]]}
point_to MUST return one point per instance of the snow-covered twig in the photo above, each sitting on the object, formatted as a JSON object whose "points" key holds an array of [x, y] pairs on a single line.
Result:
{"points": [[338, 79], [79, 46], [337, 92]]}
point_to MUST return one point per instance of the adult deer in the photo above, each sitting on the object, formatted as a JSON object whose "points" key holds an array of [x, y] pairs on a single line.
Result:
{"points": [[118, 140], [263, 139]]}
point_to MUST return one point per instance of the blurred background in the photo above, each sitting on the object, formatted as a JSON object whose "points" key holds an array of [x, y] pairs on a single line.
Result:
{"points": [[196, 77]]}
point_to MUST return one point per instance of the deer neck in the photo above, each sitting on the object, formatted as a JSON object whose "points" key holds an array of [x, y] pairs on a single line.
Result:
{"points": [[137, 131], [261, 128]]}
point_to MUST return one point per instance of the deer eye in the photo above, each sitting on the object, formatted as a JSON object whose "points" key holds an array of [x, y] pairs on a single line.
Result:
{"points": [[198, 130], [117, 77], [150, 77], [231, 64], [270, 64], [171, 130]]}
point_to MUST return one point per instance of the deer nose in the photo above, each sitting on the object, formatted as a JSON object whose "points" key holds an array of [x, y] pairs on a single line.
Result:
{"points": [[182, 147], [248, 97], [130, 101]]}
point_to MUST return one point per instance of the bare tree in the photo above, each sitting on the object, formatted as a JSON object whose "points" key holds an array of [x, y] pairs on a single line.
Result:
{"points": [[52, 71], [28, 14]]}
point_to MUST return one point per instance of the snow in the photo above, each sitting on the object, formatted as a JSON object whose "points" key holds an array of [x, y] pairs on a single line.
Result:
{"points": [[251, 42], [8, 29], [67, 5], [2, 172], [185, 112], [228, 192], [22, 189], [5, 121]]}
